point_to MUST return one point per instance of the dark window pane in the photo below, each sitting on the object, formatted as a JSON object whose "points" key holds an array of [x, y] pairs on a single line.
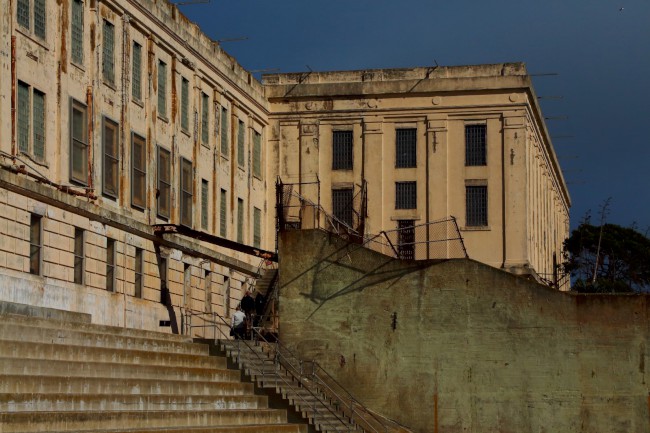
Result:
{"points": [[39, 125], [240, 143], [204, 204], [77, 32], [108, 52], [22, 9], [205, 119], [23, 120], [342, 150], [111, 158], [406, 239], [110, 265], [257, 154], [405, 148], [79, 144], [35, 244], [342, 205], [136, 81], [257, 227], [164, 185], [139, 172], [139, 265], [39, 18], [162, 89], [78, 255], [476, 206], [240, 220], [224, 132], [405, 195], [186, 192], [222, 213], [475, 151]]}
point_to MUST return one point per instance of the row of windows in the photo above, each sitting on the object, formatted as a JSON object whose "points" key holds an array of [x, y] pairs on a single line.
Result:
{"points": [[406, 198], [31, 15], [406, 147], [110, 177], [79, 266]]}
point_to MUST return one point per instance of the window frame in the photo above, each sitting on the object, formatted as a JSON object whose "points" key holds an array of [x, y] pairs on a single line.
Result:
{"points": [[344, 215], [405, 199], [240, 220], [186, 216], [113, 160], [257, 154], [111, 264], [223, 213], [476, 216], [33, 7], [81, 107], [205, 119], [161, 90], [185, 105], [79, 264], [77, 44], [406, 150], [136, 72], [36, 245], [241, 144], [30, 131], [342, 149], [225, 145], [160, 150], [138, 271], [108, 58], [205, 205], [475, 152], [257, 227], [138, 172]]}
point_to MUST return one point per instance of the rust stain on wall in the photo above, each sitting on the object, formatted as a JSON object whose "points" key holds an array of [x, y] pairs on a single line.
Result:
{"points": [[65, 14]]}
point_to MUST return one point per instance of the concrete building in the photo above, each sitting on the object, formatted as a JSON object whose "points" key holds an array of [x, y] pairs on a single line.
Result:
{"points": [[117, 116], [428, 143]]}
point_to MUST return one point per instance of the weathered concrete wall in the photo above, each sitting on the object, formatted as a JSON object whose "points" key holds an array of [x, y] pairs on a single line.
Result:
{"points": [[457, 346]]}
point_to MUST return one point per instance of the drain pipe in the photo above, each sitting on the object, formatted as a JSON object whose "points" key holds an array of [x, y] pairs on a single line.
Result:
{"points": [[13, 94]]}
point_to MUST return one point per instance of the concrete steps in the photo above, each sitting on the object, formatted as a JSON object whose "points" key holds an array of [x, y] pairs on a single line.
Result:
{"points": [[60, 373], [257, 362]]}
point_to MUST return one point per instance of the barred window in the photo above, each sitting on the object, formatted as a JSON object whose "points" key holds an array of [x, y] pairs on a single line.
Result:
{"points": [[108, 50], [475, 151], [138, 171], [139, 275], [35, 243], [405, 148], [205, 119], [164, 183], [111, 158], [257, 154], [204, 204], [79, 257], [187, 192], [24, 16], [39, 18], [162, 89], [224, 131], [241, 130], [30, 121], [110, 264], [223, 198], [257, 227], [342, 142], [240, 221], [77, 32], [78, 143], [136, 72], [342, 205], [406, 239], [476, 206], [22, 13], [406, 195], [185, 105]]}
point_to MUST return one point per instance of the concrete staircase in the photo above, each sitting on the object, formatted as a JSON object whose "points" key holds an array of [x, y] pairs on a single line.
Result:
{"points": [[317, 407], [60, 373]]}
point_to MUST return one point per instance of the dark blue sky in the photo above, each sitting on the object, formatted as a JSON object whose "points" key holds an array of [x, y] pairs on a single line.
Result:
{"points": [[601, 56]]}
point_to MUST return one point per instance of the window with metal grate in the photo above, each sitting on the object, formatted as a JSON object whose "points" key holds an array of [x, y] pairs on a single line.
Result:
{"points": [[162, 89], [39, 18], [186, 189], [77, 32], [164, 183], [257, 227], [475, 142], [224, 132], [406, 195], [108, 53], [136, 72], [204, 204], [138, 171], [257, 154], [185, 104], [342, 143], [342, 205], [223, 203], [406, 239], [241, 134], [476, 206], [110, 264], [240, 221], [111, 159], [405, 148]]}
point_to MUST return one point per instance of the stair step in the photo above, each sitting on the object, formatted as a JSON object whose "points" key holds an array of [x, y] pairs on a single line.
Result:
{"points": [[94, 328], [119, 371], [125, 402], [14, 384], [13, 308], [259, 428], [68, 352], [80, 337], [100, 420]]}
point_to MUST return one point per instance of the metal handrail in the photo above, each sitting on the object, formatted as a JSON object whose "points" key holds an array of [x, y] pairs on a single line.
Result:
{"points": [[277, 360]]}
